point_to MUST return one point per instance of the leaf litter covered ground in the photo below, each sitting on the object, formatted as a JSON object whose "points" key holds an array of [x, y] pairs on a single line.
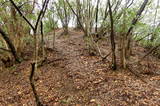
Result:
{"points": [[70, 77]]}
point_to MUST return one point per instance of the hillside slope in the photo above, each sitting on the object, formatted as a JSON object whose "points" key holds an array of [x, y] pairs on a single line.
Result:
{"points": [[70, 77]]}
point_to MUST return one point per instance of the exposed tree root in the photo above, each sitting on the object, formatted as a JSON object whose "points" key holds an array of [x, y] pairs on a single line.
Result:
{"points": [[136, 74]]}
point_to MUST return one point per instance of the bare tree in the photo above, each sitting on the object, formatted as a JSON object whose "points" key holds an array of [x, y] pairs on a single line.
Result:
{"points": [[34, 28]]}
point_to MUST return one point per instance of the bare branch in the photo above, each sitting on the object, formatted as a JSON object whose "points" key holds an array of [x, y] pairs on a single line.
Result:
{"points": [[76, 16], [134, 21], [42, 12], [5, 49], [21, 14], [130, 3]]}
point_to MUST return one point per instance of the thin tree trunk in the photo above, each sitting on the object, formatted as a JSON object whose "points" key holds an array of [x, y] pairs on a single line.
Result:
{"points": [[66, 19], [128, 34], [78, 10], [112, 35], [97, 8], [155, 17], [38, 103], [54, 33], [134, 21], [123, 39], [54, 37], [35, 50], [42, 41]]}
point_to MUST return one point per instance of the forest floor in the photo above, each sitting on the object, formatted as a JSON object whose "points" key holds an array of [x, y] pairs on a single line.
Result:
{"points": [[71, 77]]}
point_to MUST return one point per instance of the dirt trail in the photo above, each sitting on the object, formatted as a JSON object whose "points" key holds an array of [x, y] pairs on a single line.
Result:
{"points": [[73, 78], [91, 82]]}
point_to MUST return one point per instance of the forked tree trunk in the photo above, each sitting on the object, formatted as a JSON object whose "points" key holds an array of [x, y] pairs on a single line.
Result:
{"points": [[34, 28], [129, 33], [134, 21]]}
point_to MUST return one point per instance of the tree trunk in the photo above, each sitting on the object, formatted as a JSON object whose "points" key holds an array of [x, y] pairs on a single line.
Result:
{"points": [[54, 37], [35, 60], [112, 35], [78, 10], [66, 19], [122, 50], [65, 28], [97, 8], [134, 21], [123, 40], [10, 45], [31, 79], [42, 41], [54, 34], [128, 36]]}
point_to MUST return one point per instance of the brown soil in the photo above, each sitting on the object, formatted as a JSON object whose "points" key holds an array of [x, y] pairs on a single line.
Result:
{"points": [[73, 78]]}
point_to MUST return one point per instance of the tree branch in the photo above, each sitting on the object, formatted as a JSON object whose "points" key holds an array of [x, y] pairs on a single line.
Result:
{"points": [[76, 16], [134, 21], [21, 14], [42, 12], [5, 50]]}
